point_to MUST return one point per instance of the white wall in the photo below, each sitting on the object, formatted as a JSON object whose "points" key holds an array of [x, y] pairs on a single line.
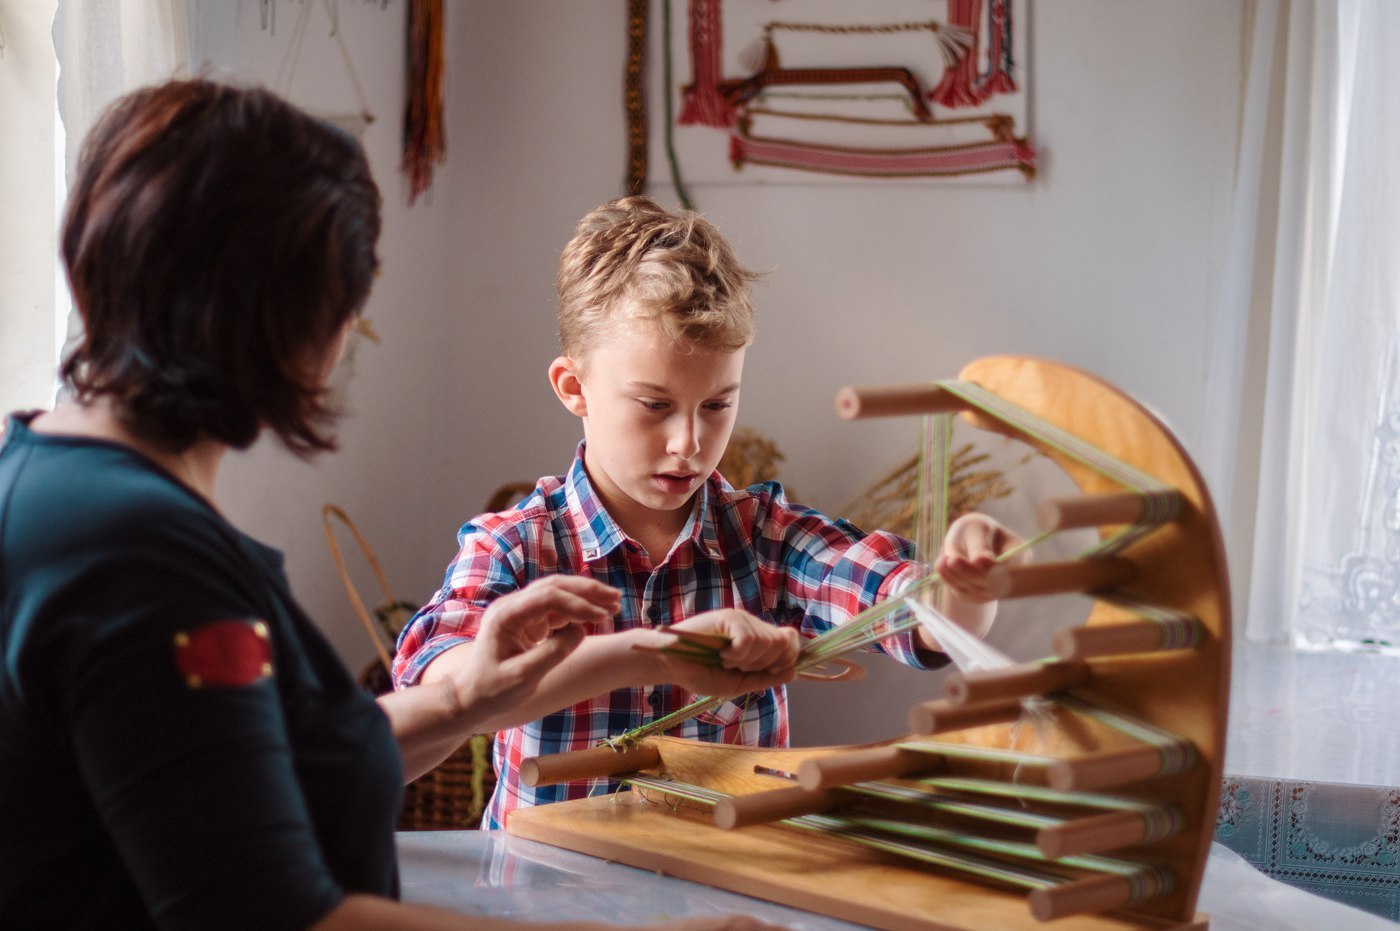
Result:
{"points": [[386, 475], [1109, 260]]}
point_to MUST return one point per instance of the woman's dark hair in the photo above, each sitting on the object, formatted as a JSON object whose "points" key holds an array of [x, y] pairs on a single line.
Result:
{"points": [[217, 240]]}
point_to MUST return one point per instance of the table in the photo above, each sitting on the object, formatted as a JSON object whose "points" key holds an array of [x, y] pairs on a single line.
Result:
{"points": [[492, 873]]}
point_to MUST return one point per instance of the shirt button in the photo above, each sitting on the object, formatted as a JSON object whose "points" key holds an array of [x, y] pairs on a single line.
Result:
{"points": [[655, 700], [654, 612]]}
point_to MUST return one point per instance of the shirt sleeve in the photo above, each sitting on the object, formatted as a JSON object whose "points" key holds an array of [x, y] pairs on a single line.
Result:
{"points": [[194, 779], [485, 568], [826, 571]]}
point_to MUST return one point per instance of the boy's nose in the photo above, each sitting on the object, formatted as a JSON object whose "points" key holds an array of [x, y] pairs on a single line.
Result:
{"points": [[685, 439]]}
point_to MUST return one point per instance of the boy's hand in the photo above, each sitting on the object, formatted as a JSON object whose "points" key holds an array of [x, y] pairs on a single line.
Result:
{"points": [[525, 634], [970, 550], [759, 655]]}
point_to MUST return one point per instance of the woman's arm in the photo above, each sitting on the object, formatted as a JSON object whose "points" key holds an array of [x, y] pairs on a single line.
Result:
{"points": [[531, 658], [759, 656], [523, 635]]}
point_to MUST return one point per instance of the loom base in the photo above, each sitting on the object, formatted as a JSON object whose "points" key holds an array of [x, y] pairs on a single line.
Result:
{"points": [[795, 869]]}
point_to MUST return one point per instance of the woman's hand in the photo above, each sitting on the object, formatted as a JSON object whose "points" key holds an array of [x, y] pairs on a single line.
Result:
{"points": [[525, 634]]}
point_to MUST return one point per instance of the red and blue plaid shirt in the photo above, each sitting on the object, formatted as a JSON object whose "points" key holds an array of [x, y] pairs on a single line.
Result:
{"points": [[748, 549]]}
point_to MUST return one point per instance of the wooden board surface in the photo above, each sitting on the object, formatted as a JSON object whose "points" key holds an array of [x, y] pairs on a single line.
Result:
{"points": [[793, 868]]}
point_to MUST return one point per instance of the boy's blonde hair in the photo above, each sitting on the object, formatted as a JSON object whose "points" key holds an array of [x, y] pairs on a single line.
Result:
{"points": [[673, 268]]}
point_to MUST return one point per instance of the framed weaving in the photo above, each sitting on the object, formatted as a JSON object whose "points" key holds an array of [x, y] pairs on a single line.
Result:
{"points": [[813, 90]]}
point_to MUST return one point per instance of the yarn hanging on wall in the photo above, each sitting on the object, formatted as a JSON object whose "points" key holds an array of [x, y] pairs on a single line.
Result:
{"points": [[424, 134]]}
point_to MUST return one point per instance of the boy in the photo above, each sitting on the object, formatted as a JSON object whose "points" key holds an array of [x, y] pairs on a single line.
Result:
{"points": [[655, 315]]}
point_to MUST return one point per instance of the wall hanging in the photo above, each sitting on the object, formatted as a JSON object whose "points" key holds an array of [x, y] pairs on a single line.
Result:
{"points": [[805, 88]]}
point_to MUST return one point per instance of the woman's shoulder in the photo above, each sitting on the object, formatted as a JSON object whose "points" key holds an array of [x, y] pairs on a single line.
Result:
{"points": [[69, 502]]}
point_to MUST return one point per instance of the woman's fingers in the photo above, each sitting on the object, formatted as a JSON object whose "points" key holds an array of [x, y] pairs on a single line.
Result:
{"points": [[523, 618]]}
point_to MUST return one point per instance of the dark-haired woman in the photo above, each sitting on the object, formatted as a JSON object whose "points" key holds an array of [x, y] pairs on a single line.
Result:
{"points": [[179, 746]]}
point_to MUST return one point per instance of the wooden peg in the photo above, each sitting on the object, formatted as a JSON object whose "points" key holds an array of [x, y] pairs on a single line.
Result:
{"points": [[898, 400], [1120, 638], [592, 763], [1079, 897], [1095, 834], [1103, 770], [983, 686], [1090, 511], [1079, 575], [740, 811], [839, 769], [941, 716]]}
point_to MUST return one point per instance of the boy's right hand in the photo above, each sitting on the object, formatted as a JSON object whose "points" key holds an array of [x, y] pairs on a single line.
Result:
{"points": [[759, 655]]}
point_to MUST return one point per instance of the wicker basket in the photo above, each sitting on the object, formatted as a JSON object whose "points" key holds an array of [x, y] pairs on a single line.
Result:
{"points": [[453, 795]]}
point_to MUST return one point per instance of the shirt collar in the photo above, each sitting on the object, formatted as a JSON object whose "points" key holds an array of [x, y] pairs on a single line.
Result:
{"points": [[599, 534]]}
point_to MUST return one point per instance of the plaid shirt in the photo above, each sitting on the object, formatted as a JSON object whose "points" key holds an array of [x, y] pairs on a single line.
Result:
{"points": [[749, 549]]}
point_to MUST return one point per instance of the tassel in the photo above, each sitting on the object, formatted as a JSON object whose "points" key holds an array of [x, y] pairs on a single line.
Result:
{"points": [[424, 135], [702, 104]]}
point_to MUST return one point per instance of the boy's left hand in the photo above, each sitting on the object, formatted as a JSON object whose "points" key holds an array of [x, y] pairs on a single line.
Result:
{"points": [[970, 550]]}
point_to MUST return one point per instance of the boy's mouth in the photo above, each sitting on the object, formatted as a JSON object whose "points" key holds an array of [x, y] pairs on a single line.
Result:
{"points": [[675, 482]]}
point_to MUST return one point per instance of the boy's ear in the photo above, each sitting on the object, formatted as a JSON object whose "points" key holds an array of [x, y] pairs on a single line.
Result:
{"points": [[568, 387]]}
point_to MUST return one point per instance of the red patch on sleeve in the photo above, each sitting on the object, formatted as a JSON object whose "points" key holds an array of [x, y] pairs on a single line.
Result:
{"points": [[224, 653]]}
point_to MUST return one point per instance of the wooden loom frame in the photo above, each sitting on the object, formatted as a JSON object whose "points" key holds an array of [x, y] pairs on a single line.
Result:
{"points": [[1179, 565]]}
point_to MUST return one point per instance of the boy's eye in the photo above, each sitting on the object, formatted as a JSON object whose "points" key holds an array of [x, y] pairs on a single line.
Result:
{"points": [[719, 405], [653, 405]]}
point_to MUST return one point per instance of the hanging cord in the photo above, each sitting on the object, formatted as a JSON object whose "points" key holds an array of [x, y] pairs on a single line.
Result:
{"points": [[681, 193], [286, 71]]}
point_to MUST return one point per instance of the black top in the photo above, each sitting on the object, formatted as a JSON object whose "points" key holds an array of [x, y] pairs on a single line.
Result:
{"points": [[179, 746]]}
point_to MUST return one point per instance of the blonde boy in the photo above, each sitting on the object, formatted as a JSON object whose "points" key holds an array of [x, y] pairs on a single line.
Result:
{"points": [[654, 320]]}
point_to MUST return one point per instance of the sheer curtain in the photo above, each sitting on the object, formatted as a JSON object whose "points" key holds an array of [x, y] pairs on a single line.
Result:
{"points": [[1318, 284], [104, 49], [108, 47]]}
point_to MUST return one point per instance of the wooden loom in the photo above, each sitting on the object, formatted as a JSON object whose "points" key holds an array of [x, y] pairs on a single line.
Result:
{"points": [[1074, 784]]}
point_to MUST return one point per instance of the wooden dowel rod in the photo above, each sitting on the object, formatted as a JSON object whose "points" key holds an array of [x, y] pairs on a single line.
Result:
{"points": [[1079, 897], [1127, 637], [982, 686], [839, 769], [740, 811], [896, 400], [592, 763], [1089, 511], [1093, 834], [941, 716], [1079, 575], [1104, 770]]}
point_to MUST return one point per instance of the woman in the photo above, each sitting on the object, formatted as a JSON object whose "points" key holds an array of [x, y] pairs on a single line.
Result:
{"points": [[179, 746]]}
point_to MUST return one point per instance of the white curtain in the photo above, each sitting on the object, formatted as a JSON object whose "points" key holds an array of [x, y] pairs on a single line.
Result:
{"points": [[108, 47], [1318, 284], [98, 49]]}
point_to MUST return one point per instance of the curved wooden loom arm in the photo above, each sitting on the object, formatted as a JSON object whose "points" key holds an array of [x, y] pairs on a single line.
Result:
{"points": [[740, 91], [1137, 706]]}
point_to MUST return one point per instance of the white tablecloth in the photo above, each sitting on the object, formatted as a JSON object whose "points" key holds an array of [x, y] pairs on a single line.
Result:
{"points": [[491, 873]]}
